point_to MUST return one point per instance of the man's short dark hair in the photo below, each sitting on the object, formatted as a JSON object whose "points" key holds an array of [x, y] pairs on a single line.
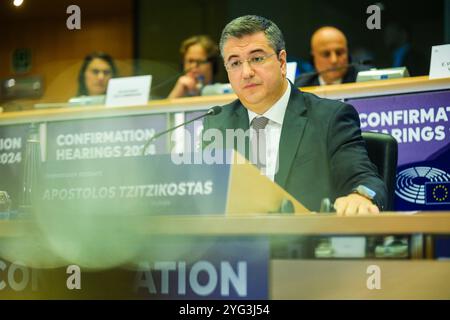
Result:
{"points": [[251, 24]]}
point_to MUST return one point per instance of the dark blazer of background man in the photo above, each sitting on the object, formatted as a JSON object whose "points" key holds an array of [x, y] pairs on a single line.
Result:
{"points": [[312, 79], [329, 51], [321, 152]]}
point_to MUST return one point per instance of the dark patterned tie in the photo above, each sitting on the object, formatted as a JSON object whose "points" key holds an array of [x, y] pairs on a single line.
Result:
{"points": [[258, 142]]}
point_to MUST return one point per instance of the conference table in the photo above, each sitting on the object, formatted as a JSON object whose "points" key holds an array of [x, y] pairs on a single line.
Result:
{"points": [[285, 275], [414, 110], [289, 277], [66, 111]]}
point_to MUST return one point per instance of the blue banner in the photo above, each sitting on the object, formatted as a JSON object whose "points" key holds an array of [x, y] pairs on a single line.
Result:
{"points": [[208, 268], [420, 124], [12, 150], [117, 137]]}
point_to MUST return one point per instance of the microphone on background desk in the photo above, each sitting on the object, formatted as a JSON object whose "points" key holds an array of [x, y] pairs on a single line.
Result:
{"points": [[211, 112]]}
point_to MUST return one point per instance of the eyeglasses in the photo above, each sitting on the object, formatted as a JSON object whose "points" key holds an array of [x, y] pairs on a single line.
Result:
{"points": [[236, 65], [96, 72], [196, 62]]}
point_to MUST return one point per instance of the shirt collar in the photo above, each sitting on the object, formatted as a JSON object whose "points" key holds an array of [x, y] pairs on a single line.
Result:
{"points": [[323, 83], [277, 111]]}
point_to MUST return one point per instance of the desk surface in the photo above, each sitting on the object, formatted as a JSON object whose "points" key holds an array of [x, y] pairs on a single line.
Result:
{"points": [[311, 224], [288, 278], [341, 91]]}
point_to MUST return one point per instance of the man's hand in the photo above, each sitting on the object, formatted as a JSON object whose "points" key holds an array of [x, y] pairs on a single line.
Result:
{"points": [[184, 85], [354, 204]]}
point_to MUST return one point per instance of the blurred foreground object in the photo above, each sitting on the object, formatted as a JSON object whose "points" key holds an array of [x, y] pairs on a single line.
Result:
{"points": [[12, 88], [32, 163]]}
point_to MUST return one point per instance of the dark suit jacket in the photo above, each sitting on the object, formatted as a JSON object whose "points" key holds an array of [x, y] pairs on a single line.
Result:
{"points": [[321, 153], [312, 79]]}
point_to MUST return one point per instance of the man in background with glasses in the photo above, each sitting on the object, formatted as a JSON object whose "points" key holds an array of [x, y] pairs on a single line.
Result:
{"points": [[311, 147]]}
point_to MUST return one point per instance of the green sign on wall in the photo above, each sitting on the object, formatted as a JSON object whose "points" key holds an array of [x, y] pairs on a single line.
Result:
{"points": [[21, 60]]}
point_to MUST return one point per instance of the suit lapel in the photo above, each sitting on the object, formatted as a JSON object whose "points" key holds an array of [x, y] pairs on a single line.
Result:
{"points": [[240, 118], [294, 124]]}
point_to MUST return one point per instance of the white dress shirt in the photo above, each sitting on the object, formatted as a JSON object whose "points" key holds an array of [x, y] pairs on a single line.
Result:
{"points": [[323, 83], [275, 114]]}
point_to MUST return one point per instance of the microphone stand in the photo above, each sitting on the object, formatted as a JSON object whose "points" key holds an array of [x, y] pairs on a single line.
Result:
{"points": [[179, 74], [212, 111]]}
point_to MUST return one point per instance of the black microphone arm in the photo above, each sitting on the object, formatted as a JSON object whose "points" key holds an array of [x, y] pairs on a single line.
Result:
{"points": [[179, 74], [169, 80], [211, 112]]}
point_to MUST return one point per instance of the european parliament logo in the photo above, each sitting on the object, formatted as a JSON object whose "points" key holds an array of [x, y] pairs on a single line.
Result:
{"points": [[423, 185], [437, 192]]}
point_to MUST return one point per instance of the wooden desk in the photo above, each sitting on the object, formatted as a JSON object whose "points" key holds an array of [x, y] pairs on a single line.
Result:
{"points": [[306, 279], [292, 279], [400, 280], [308, 224], [433, 223], [379, 88], [342, 91], [334, 279]]}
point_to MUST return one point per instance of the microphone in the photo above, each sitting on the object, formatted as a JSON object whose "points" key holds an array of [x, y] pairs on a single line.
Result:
{"points": [[211, 112], [169, 80], [326, 206]]}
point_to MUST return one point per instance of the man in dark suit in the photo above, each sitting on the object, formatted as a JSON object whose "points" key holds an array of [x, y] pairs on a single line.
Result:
{"points": [[312, 147], [329, 51]]}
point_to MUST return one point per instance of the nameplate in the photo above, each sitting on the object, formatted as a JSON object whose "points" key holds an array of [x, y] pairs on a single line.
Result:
{"points": [[151, 185], [440, 62], [128, 91]]}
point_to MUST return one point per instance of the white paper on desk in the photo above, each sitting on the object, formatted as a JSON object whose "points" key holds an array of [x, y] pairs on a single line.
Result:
{"points": [[440, 62], [348, 247], [128, 91], [407, 213], [291, 69]]}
